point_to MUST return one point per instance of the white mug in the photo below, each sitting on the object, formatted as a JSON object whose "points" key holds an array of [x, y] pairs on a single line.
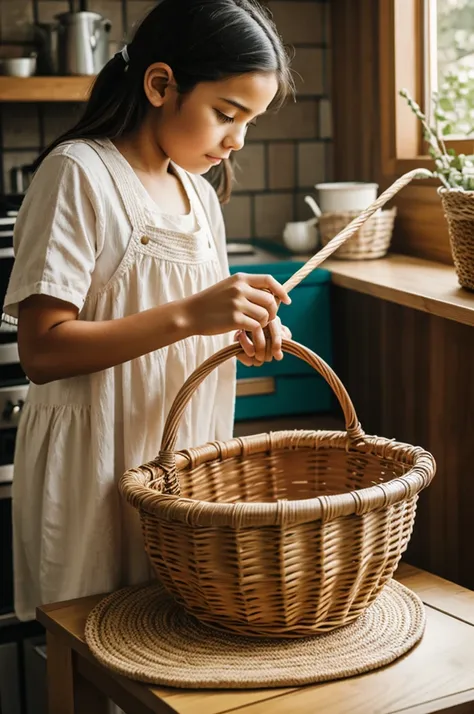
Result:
{"points": [[301, 236]]}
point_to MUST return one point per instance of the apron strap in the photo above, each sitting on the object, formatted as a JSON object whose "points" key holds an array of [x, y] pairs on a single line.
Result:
{"points": [[121, 177]]}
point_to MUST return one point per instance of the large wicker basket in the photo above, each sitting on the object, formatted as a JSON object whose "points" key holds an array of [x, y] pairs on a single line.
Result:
{"points": [[371, 241], [283, 534], [458, 208]]}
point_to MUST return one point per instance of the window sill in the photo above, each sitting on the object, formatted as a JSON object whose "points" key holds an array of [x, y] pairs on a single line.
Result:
{"points": [[420, 284]]}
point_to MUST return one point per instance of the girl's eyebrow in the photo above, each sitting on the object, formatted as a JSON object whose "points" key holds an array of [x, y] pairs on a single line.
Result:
{"points": [[239, 106]]}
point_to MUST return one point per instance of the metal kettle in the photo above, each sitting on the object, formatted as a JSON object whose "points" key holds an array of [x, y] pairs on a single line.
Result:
{"points": [[83, 42]]}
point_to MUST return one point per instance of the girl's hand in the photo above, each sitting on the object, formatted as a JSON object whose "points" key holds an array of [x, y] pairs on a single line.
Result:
{"points": [[255, 351], [241, 302]]}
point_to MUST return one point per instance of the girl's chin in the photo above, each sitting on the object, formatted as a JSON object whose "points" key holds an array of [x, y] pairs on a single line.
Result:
{"points": [[197, 167]]}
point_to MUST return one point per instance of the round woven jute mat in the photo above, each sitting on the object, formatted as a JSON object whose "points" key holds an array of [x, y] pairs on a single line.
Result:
{"points": [[142, 633]]}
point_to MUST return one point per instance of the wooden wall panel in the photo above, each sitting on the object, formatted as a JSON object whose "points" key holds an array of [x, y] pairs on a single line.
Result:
{"points": [[411, 377], [355, 90], [421, 228]]}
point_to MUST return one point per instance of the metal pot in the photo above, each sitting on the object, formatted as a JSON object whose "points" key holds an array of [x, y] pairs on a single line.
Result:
{"points": [[83, 42]]}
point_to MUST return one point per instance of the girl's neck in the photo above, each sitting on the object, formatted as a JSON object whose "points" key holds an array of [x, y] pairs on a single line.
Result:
{"points": [[153, 168], [143, 153]]}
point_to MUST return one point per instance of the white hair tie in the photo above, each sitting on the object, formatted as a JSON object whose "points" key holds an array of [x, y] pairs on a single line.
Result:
{"points": [[125, 55]]}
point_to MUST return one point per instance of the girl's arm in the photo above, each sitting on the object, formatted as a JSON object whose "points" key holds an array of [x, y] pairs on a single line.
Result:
{"points": [[54, 344]]}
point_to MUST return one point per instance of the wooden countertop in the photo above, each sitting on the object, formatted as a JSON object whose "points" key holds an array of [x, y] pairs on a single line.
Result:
{"points": [[420, 284], [436, 676]]}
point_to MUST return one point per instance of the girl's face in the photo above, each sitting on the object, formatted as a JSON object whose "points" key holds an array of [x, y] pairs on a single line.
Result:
{"points": [[212, 121]]}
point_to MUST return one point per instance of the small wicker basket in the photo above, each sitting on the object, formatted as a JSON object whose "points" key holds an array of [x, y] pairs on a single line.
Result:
{"points": [[284, 534], [371, 241]]}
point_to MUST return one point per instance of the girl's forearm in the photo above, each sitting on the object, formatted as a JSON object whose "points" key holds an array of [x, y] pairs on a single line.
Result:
{"points": [[76, 347]]}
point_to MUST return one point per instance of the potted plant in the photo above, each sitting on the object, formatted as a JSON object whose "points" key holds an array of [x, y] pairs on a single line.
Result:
{"points": [[453, 112]]}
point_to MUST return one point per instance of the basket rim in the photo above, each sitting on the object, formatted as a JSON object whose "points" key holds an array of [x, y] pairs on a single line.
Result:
{"points": [[134, 487], [385, 212], [443, 191]]}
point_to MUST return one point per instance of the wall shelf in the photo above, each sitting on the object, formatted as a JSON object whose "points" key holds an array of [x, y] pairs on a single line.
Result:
{"points": [[44, 89]]}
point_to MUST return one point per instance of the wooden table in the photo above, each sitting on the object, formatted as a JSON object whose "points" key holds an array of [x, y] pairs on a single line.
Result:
{"points": [[436, 676]]}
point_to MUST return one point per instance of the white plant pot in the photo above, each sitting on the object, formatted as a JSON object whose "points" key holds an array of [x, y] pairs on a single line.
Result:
{"points": [[345, 196]]}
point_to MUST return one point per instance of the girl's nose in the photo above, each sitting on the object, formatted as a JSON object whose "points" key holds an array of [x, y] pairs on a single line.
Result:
{"points": [[235, 139]]}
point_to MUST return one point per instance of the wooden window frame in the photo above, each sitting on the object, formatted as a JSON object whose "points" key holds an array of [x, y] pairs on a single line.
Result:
{"points": [[376, 51], [403, 52]]}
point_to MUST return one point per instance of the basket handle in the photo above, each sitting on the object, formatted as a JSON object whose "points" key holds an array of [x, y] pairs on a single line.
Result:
{"points": [[353, 227], [166, 459]]}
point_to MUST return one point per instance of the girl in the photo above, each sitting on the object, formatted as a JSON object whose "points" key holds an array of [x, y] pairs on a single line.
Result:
{"points": [[121, 287]]}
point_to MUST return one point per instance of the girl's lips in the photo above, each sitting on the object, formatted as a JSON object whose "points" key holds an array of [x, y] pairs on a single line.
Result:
{"points": [[213, 159]]}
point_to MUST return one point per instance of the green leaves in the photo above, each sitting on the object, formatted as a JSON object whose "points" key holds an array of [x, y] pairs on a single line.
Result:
{"points": [[446, 105], [454, 104], [453, 170]]}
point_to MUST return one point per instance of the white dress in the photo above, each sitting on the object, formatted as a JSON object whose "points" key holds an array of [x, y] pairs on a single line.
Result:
{"points": [[89, 233]]}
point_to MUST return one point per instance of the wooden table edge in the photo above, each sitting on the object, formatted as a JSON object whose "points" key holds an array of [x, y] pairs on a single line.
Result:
{"points": [[405, 572]]}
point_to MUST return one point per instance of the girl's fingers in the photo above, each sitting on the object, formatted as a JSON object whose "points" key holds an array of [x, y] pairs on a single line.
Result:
{"points": [[247, 361], [275, 329], [246, 343], [254, 344], [259, 343], [261, 300], [268, 282]]}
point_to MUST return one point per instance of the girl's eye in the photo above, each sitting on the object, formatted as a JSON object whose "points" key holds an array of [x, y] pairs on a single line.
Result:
{"points": [[223, 117], [230, 120]]}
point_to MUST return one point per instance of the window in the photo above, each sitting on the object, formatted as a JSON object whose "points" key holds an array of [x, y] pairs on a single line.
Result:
{"points": [[422, 42], [449, 63], [419, 42]]}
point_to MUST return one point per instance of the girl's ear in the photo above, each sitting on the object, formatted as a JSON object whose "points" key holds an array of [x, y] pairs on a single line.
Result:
{"points": [[158, 79]]}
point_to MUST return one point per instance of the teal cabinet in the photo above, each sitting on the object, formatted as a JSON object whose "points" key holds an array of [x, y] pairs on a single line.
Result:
{"points": [[290, 386]]}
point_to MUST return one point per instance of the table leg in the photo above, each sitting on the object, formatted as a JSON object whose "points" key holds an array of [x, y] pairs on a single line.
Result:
{"points": [[68, 691], [60, 676], [88, 699]]}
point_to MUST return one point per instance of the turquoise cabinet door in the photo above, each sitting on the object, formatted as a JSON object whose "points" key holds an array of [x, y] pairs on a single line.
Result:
{"points": [[301, 394]]}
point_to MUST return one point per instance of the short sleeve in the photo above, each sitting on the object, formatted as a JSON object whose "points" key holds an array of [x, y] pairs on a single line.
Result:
{"points": [[56, 238]]}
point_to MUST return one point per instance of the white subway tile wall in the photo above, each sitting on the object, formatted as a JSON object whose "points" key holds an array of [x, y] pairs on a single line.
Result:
{"points": [[286, 153]]}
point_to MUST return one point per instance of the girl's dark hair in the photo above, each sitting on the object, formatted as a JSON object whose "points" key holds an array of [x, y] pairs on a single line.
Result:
{"points": [[202, 41]]}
